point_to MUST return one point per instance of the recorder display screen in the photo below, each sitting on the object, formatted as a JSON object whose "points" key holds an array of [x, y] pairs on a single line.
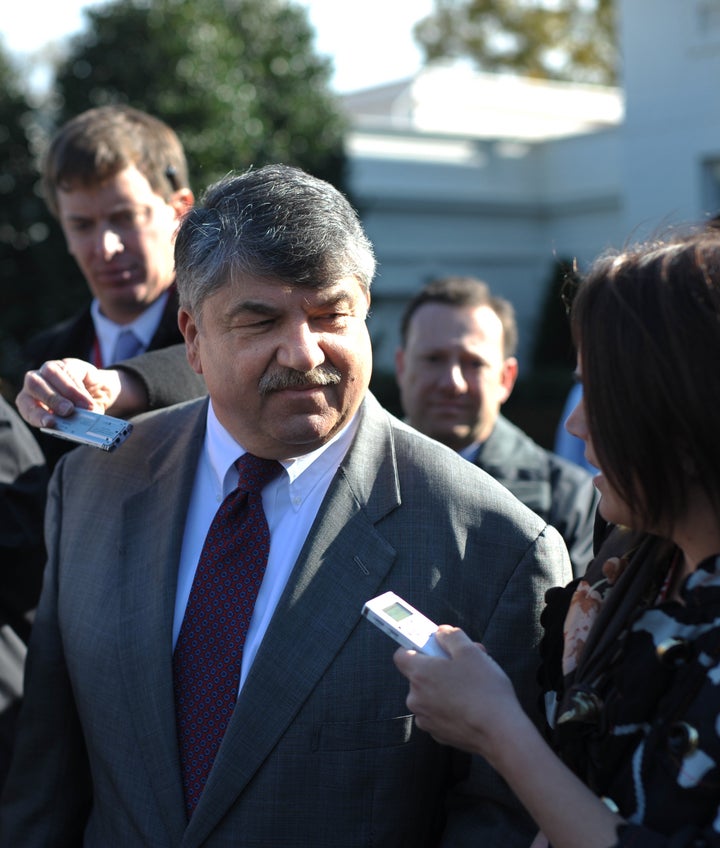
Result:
{"points": [[397, 611]]}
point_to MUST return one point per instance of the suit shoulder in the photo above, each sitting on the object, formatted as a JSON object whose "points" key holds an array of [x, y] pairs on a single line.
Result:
{"points": [[174, 414], [420, 451], [573, 489], [441, 473], [569, 470], [152, 432], [526, 459], [60, 339]]}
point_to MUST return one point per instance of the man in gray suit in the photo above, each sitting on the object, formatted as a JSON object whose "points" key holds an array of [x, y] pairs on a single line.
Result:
{"points": [[456, 367], [273, 274]]}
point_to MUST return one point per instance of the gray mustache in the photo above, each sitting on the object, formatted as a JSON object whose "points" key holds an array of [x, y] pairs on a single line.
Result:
{"points": [[288, 378]]}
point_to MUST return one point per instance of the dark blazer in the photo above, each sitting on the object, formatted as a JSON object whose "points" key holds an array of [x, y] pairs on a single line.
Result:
{"points": [[320, 750], [75, 337], [166, 376], [560, 492], [23, 482]]}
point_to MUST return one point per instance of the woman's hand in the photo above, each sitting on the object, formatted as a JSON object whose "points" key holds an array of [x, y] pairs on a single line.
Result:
{"points": [[467, 701]]}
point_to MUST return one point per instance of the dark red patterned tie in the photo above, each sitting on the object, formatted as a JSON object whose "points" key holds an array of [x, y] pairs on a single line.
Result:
{"points": [[208, 653]]}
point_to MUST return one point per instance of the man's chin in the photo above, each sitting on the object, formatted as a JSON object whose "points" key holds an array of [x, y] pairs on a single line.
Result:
{"points": [[306, 433], [128, 302], [454, 437]]}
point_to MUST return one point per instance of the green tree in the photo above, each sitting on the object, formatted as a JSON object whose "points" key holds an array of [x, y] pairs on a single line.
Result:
{"points": [[32, 252], [538, 397], [554, 347], [553, 39], [237, 79]]}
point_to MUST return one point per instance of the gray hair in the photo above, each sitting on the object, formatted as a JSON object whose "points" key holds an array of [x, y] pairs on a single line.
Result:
{"points": [[274, 222]]}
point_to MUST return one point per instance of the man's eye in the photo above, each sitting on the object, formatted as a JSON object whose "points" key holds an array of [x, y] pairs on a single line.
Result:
{"points": [[256, 324], [329, 319], [128, 219], [80, 226]]}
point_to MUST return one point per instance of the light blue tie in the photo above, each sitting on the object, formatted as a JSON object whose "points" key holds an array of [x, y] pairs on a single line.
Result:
{"points": [[126, 346]]}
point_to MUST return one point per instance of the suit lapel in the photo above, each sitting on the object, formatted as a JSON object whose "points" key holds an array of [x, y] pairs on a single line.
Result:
{"points": [[342, 564], [153, 519]]}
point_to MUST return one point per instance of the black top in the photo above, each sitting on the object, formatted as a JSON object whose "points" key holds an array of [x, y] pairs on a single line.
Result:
{"points": [[23, 481], [638, 697]]}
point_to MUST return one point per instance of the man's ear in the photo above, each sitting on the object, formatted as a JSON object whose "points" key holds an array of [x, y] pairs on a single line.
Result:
{"points": [[191, 333], [508, 377], [182, 201]]}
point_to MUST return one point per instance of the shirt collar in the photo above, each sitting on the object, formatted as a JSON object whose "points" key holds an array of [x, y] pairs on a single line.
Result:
{"points": [[471, 451], [144, 326], [303, 471]]}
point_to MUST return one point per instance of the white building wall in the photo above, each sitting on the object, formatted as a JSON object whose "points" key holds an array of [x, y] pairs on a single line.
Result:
{"points": [[671, 68], [583, 193], [505, 213], [502, 197]]}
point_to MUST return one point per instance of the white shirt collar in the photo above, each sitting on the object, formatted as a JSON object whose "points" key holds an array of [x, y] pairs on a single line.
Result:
{"points": [[223, 452], [144, 326]]}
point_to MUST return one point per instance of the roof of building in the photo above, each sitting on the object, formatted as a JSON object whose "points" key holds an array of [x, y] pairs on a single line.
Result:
{"points": [[454, 99]]}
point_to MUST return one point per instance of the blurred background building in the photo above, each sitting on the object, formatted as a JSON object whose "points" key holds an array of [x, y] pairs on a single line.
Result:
{"points": [[511, 173], [500, 176]]}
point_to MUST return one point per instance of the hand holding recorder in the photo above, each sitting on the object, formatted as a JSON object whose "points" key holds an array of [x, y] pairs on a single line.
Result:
{"points": [[60, 386]]}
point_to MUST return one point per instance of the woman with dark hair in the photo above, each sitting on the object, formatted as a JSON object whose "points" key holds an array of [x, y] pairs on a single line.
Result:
{"points": [[631, 654]]}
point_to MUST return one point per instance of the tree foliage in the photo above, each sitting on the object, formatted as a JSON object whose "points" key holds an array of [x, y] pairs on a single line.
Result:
{"points": [[553, 39], [33, 256], [237, 79], [553, 347]]}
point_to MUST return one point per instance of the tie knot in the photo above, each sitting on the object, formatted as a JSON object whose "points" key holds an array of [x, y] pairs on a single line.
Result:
{"points": [[126, 346], [254, 473]]}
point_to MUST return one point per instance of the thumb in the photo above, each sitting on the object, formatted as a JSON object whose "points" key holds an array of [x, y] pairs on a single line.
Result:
{"points": [[452, 639]]}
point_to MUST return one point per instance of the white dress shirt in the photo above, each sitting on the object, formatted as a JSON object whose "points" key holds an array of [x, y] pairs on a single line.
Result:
{"points": [[291, 501], [144, 327]]}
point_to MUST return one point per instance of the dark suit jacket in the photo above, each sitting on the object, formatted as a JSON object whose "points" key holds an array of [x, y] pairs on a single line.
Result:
{"points": [[75, 337], [166, 376], [23, 482], [559, 491], [320, 750]]}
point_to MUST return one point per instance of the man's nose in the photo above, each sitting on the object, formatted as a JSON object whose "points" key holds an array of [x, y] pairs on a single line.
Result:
{"points": [[453, 379], [300, 349], [110, 243]]}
